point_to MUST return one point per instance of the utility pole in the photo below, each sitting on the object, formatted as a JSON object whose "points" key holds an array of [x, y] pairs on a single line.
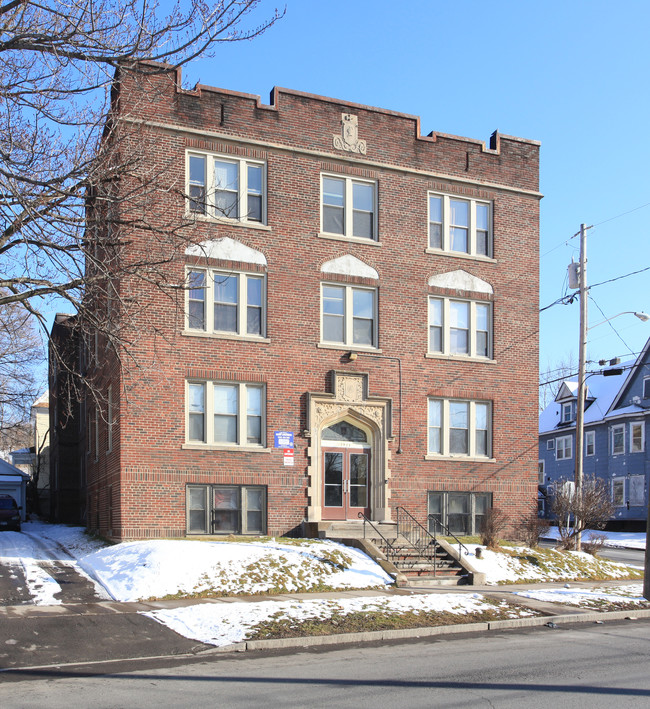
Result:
{"points": [[582, 358]]}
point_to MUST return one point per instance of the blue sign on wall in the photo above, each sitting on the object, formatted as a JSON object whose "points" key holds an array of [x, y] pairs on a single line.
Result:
{"points": [[284, 439]]}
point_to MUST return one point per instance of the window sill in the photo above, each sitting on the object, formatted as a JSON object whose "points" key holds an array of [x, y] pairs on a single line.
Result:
{"points": [[224, 220], [233, 448], [348, 348], [350, 239], [224, 336], [461, 458], [459, 254], [460, 358]]}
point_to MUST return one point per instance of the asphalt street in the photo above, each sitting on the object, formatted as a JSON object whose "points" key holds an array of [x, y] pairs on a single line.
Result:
{"points": [[573, 667]]}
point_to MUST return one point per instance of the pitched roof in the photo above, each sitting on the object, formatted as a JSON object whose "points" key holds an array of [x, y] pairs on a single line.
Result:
{"points": [[601, 391]]}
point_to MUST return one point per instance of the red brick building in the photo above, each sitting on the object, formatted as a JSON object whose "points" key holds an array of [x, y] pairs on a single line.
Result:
{"points": [[347, 282]]}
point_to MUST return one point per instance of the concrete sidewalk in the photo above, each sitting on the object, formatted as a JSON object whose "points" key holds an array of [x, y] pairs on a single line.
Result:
{"points": [[96, 636]]}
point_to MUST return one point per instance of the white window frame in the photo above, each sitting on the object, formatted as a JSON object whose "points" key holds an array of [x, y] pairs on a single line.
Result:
{"points": [[208, 491], [210, 187], [550, 444], [618, 482], [348, 316], [639, 482], [212, 275], [639, 425], [618, 428], [348, 208], [242, 414], [567, 412], [445, 225], [445, 428], [590, 442], [645, 391], [446, 327], [564, 448], [541, 471]]}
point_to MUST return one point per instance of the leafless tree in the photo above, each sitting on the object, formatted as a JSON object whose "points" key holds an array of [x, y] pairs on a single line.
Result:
{"points": [[575, 511], [551, 378], [61, 152], [21, 351]]}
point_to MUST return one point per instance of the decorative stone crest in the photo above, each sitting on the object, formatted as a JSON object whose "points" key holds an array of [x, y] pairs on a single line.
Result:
{"points": [[349, 139], [349, 388]]}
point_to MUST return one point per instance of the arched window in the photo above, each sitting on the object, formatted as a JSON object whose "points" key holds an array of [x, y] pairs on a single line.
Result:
{"points": [[344, 431]]}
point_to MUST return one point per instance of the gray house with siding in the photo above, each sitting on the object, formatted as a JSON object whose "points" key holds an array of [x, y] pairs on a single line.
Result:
{"points": [[616, 426]]}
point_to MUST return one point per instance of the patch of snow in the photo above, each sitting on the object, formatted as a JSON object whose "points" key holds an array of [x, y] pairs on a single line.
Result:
{"points": [[503, 568], [587, 597], [227, 623], [133, 571], [627, 540]]}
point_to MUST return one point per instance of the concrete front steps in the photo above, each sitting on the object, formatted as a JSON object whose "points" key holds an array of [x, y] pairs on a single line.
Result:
{"points": [[407, 567]]}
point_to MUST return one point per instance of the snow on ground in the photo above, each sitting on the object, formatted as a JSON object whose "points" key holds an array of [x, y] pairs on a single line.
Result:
{"points": [[40, 542], [133, 571], [226, 623], [535, 565], [628, 540], [589, 597]]}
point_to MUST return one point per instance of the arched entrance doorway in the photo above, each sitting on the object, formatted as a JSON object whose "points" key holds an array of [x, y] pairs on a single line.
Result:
{"points": [[346, 469]]}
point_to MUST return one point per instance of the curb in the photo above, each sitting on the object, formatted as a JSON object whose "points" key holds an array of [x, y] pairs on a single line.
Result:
{"points": [[414, 633]]}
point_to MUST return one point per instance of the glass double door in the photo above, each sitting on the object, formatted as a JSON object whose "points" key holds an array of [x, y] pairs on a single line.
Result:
{"points": [[346, 482]]}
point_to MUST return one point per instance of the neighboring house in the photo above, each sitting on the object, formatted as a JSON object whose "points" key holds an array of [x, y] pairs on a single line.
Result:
{"points": [[616, 420], [357, 331], [41, 451], [14, 482]]}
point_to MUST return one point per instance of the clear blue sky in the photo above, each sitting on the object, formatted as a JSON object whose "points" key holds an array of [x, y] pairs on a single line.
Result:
{"points": [[574, 75]]}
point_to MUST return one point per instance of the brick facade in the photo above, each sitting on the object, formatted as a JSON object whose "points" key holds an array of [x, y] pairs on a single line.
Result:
{"points": [[139, 488]]}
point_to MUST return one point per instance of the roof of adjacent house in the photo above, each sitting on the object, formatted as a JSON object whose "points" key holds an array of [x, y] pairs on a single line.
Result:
{"points": [[43, 401], [7, 469], [601, 391]]}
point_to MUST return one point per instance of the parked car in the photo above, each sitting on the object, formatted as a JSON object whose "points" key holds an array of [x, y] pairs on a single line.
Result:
{"points": [[9, 513]]}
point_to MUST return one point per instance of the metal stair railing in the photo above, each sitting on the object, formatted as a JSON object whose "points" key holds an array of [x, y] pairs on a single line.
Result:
{"points": [[447, 533], [418, 536], [391, 551]]}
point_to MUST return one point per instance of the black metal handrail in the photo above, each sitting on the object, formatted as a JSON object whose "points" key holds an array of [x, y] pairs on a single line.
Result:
{"points": [[417, 535], [390, 549], [411, 532], [448, 533]]}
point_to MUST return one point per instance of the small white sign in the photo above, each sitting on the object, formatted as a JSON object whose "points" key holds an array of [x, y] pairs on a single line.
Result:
{"points": [[288, 456]]}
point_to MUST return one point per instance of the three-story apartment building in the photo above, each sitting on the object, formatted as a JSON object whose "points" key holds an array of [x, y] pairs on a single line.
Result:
{"points": [[350, 325]]}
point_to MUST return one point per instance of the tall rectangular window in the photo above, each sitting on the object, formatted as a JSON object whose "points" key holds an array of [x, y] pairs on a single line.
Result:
{"points": [[637, 437], [617, 439], [226, 187], [236, 411], [349, 315], [590, 443], [348, 207], [196, 300], [238, 302], [637, 490], [564, 448], [196, 412], [460, 225], [618, 492], [460, 327], [459, 428]]}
